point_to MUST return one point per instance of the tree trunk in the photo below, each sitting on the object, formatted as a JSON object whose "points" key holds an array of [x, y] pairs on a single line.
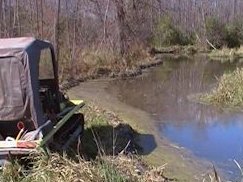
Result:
{"points": [[73, 66], [1, 17], [105, 19], [37, 18], [4, 18], [56, 30], [42, 19], [18, 19], [121, 26], [31, 16], [235, 9], [10, 28]]}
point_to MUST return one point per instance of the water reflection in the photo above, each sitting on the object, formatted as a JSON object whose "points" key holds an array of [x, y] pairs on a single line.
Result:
{"points": [[219, 141], [163, 92]]}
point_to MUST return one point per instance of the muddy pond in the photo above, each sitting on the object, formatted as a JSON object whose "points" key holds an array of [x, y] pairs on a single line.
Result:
{"points": [[206, 132]]}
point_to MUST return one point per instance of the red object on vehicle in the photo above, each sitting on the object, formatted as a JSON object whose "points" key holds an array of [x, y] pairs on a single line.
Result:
{"points": [[26, 144], [20, 125]]}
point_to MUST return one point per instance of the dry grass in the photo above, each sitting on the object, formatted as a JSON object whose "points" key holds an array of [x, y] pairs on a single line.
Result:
{"points": [[133, 169], [180, 50], [227, 54], [54, 169], [102, 62], [229, 92], [59, 168]]}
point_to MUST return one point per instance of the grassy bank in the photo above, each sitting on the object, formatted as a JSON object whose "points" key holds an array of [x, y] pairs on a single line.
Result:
{"points": [[109, 146], [229, 91], [100, 64], [226, 54], [59, 168], [179, 50], [94, 63]]}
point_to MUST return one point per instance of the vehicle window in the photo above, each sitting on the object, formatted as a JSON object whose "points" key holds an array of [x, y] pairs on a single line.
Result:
{"points": [[10, 83], [45, 65]]}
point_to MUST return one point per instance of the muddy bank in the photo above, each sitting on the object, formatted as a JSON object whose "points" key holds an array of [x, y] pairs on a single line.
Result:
{"points": [[99, 65], [156, 151], [128, 67], [102, 72], [179, 50]]}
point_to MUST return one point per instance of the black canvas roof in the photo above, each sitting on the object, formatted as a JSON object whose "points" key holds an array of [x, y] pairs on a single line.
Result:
{"points": [[19, 43], [18, 46]]}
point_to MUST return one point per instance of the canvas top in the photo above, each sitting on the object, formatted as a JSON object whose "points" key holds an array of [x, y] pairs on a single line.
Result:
{"points": [[18, 43], [19, 79]]}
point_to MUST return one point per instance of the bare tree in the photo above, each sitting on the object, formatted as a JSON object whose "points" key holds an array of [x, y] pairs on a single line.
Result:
{"points": [[109, 25], [37, 17], [1, 17], [121, 26], [42, 18], [57, 28]]}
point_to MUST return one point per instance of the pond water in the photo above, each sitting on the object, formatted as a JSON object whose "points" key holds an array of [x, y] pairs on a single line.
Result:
{"points": [[207, 132]]}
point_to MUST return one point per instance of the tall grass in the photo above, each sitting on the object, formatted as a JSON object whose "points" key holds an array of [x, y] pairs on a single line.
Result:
{"points": [[227, 54], [109, 173], [229, 92], [56, 168]]}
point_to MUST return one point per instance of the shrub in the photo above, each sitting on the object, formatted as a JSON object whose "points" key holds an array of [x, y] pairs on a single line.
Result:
{"points": [[215, 32], [167, 34], [221, 34], [233, 35]]}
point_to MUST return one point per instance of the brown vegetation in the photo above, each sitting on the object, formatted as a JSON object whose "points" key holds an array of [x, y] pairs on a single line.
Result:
{"points": [[105, 169]]}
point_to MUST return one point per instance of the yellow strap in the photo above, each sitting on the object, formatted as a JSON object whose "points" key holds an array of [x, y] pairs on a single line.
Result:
{"points": [[20, 134], [77, 102]]}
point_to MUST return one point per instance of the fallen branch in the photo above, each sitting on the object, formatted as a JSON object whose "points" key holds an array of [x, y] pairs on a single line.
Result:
{"points": [[211, 44]]}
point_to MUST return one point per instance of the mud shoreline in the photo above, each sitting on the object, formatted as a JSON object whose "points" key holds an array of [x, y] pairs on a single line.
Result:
{"points": [[99, 74], [180, 164]]}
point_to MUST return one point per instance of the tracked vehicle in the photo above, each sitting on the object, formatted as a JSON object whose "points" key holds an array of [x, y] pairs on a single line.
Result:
{"points": [[33, 111]]}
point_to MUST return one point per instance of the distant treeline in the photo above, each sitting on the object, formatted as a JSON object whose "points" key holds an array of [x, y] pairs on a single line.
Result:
{"points": [[117, 26]]}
